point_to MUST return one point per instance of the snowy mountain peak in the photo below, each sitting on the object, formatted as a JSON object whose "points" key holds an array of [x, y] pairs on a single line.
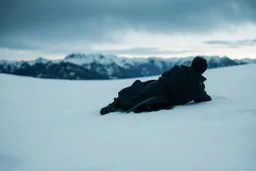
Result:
{"points": [[41, 60], [83, 59], [80, 56], [76, 56], [2, 61], [99, 66]]}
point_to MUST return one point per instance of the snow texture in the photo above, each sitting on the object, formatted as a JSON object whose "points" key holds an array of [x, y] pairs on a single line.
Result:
{"points": [[53, 125]]}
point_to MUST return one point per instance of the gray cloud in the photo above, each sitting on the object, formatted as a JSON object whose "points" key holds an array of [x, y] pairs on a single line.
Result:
{"points": [[233, 44], [34, 24], [142, 51]]}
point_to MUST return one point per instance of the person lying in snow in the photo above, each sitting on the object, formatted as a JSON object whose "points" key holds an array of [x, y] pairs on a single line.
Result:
{"points": [[178, 86]]}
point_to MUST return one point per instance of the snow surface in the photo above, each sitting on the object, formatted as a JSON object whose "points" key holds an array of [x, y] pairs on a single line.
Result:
{"points": [[53, 125]]}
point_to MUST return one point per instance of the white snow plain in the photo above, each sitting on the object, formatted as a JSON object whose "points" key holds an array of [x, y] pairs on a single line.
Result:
{"points": [[55, 125]]}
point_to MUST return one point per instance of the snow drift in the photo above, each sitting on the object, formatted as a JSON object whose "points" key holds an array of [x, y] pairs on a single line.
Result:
{"points": [[53, 125]]}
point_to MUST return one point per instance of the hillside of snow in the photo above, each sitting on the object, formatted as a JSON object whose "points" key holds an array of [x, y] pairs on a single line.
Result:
{"points": [[54, 125]]}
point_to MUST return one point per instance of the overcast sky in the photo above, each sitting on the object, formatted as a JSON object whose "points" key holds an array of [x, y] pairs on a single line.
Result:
{"points": [[131, 28]]}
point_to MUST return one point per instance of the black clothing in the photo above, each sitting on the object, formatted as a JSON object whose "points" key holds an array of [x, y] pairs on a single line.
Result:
{"points": [[177, 86]]}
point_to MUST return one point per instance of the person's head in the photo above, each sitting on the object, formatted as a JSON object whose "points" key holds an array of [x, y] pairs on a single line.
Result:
{"points": [[199, 64]]}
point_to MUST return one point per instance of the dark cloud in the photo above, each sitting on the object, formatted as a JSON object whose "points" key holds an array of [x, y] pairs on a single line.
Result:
{"points": [[233, 44], [35, 23]]}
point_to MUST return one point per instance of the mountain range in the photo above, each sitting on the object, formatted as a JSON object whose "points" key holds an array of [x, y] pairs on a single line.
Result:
{"points": [[98, 66]]}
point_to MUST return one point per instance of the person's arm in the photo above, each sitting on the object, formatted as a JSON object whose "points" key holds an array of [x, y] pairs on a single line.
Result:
{"points": [[204, 97]]}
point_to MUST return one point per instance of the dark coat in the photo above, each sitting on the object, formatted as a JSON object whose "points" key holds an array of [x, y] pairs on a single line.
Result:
{"points": [[177, 86]]}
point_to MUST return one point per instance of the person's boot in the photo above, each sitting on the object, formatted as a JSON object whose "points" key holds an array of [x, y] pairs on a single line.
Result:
{"points": [[109, 109]]}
